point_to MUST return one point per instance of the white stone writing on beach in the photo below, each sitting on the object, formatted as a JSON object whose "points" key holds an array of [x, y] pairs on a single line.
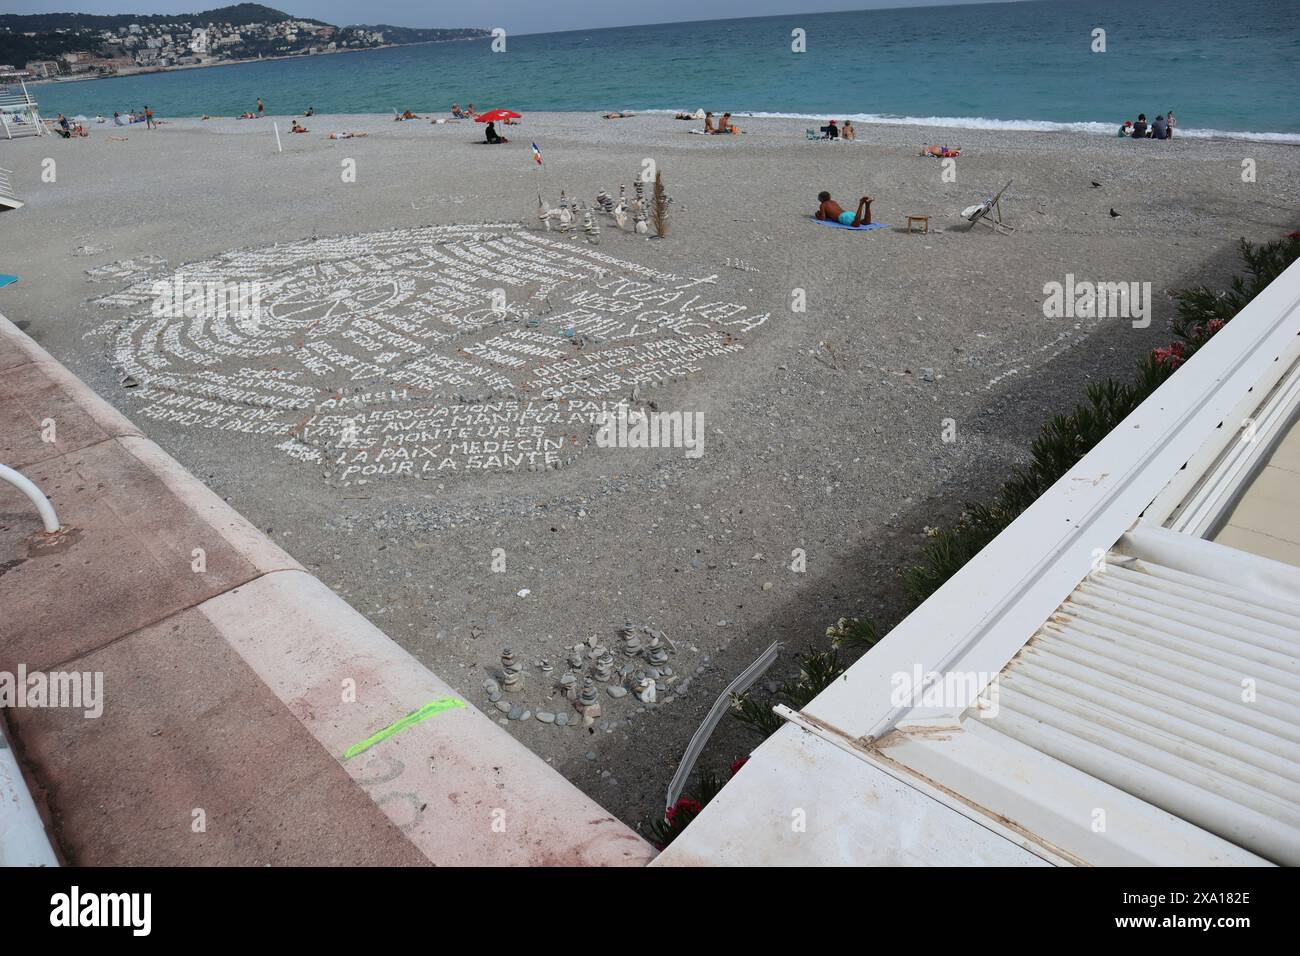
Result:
{"points": [[421, 352]]}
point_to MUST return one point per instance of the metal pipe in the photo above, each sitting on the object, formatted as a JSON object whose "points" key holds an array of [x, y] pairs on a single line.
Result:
{"points": [[48, 517], [739, 684]]}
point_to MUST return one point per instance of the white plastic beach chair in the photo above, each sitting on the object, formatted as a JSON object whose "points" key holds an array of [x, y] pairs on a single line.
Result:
{"points": [[18, 113], [7, 198], [980, 213]]}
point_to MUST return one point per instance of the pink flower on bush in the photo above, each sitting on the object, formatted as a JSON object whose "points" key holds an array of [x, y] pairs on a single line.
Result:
{"points": [[1171, 357], [1200, 332]]}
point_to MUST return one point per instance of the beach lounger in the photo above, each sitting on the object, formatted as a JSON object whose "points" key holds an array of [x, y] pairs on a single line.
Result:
{"points": [[18, 113], [980, 213]]}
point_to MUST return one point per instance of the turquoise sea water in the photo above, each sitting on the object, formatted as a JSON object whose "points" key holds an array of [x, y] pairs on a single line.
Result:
{"points": [[1220, 65]]}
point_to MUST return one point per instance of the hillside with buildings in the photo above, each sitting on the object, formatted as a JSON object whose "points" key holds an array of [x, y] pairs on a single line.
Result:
{"points": [[56, 45]]}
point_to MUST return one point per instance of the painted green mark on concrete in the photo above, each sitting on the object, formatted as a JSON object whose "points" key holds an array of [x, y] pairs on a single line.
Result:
{"points": [[410, 720]]}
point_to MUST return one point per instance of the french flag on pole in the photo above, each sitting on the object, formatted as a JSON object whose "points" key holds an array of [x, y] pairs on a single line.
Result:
{"points": [[537, 154]]}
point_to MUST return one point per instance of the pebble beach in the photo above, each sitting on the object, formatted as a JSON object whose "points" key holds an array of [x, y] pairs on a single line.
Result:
{"points": [[828, 366]]}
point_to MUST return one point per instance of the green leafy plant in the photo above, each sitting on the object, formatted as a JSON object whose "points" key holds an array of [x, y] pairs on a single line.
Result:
{"points": [[853, 632], [817, 671], [1202, 305]]}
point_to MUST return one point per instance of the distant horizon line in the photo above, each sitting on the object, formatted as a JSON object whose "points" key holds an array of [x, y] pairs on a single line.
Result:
{"points": [[781, 16], [943, 4]]}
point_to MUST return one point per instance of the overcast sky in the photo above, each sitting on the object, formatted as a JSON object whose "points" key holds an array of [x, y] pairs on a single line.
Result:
{"points": [[517, 16]]}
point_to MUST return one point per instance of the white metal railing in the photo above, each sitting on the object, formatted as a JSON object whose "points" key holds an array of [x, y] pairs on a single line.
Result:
{"points": [[43, 507], [23, 840]]}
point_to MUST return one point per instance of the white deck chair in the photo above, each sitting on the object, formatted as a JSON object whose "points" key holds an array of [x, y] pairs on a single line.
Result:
{"points": [[7, 198], [980, 213], [18, 113]]}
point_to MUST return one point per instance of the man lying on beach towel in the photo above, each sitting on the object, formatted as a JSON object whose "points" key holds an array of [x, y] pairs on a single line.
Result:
{"points": [[831, 211]]}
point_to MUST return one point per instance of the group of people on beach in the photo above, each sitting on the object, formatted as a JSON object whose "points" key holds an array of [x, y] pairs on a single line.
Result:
{"points": [[833, 130], [131, 116], [1162, 127], [69, 129], [249, 114], [723, 126]]}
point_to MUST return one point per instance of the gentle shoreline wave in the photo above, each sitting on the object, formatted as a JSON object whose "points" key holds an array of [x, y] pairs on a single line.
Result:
{"points": [[907, 67], [980, 122]]}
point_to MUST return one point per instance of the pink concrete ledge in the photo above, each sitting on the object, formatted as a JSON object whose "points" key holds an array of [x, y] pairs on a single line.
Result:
{"points": [[250, 715]]}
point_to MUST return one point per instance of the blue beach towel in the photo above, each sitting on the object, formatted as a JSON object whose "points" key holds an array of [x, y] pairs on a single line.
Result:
{"points": [[6, 280], [840, 225]]}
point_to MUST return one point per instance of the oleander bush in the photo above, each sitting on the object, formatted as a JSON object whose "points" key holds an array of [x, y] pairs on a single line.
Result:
{"points": [[1202, 305], [1064, 439], [687, 808]]}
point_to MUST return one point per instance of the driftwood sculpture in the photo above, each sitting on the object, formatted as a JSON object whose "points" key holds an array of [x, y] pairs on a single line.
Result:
{"points": [[659, 206]]}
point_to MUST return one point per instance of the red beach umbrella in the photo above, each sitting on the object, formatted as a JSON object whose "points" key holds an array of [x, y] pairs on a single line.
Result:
{"points": [[497, 116]]}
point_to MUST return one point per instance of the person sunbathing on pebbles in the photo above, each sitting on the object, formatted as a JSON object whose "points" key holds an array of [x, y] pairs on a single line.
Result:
{"points": [[298, 128], [831, 211]]}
